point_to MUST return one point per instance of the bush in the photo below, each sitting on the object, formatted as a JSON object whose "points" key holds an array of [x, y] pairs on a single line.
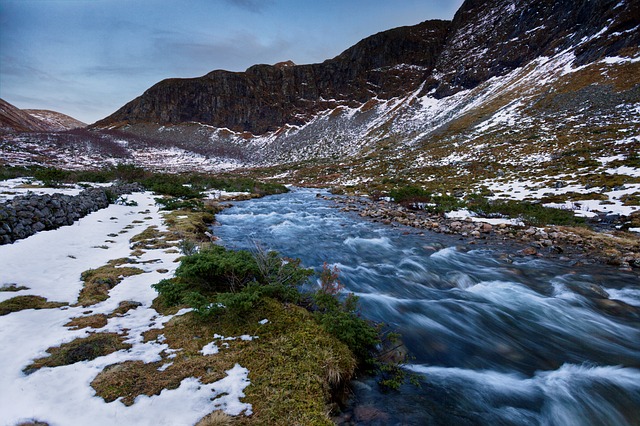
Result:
{"points": [[417, 198], [236, 279], [410, 195], [341, 318], [217, 269], [530, 213]]}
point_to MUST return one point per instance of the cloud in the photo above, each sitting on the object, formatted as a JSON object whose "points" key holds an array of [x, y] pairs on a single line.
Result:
{"points": [[236, 52], [255, 6]]}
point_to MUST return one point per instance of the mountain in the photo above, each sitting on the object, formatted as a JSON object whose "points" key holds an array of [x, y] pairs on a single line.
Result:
{"points": [[401, 84], [13, 119], [264, 97], [515, 97]]}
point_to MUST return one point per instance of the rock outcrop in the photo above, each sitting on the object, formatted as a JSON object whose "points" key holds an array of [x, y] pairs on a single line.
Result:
{"points": [[491, 38]]}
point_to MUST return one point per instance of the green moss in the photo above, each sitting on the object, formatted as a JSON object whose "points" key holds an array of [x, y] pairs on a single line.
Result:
{"points": [[631, 199], [13, 287], [20, 303], [151, 238]]}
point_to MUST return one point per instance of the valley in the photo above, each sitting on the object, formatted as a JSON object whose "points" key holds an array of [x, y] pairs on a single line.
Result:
{"points": [[439, 225]]}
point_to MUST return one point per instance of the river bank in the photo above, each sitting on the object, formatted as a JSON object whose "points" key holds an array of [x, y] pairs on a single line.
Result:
{"points": [[573, 245], [527, 340]]}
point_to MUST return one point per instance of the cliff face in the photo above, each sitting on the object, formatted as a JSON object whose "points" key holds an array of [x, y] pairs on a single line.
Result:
{"points": [[404, 84], [265, 97], [491, 38]]}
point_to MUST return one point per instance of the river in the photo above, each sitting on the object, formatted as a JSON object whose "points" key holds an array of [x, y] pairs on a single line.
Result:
{"points": [[524, 342]]}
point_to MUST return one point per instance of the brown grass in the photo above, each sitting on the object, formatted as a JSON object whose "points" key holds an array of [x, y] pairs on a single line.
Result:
{"points": [[20, 303], [217, 418], [292, 365], [98, 282], [92, 321], [81, 349]]}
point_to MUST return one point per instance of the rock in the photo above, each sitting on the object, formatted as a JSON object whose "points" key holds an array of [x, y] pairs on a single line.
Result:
{"points": [[529, 251], [486, 228]]}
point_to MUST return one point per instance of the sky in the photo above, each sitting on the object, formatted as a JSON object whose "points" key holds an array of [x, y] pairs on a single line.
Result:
{"points": [[87, 58]]}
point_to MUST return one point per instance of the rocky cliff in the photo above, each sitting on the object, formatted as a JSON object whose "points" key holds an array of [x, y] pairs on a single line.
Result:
{"points": [[265, 97], [491, 38], [484, 40]]}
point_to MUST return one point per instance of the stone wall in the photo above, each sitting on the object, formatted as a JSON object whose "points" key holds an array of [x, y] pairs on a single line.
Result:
{"points": [[25, 215]]}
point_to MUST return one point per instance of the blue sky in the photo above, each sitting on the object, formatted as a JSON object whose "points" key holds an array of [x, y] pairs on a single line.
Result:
{"points": [[87, 58]]}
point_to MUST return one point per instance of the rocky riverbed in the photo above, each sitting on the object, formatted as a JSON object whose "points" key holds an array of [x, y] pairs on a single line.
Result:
{"points": [[571, 244]]}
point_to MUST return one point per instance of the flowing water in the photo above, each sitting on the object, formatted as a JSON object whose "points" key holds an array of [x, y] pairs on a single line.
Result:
{"points": [[493, 342]]}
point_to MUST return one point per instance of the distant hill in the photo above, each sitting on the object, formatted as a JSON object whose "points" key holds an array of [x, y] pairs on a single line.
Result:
{"points": [[56, 119], [13, 119]]}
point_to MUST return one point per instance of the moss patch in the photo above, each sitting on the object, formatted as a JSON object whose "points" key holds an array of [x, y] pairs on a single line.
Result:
{"points": [[20, 303], [98, 282], [82, 349], [292, 364], [151, 238], [124, 307], [190, 224]]}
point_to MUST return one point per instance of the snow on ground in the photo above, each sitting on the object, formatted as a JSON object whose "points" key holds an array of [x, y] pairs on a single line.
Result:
{"points": [[464, 214], [525, 189], [49, 264], [21, 186], [218, 194]]}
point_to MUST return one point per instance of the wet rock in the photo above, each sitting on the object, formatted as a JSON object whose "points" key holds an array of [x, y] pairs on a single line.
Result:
{"points": [[618, 308], [370, 414], [486, 228], [529, 251], [590, 290]]}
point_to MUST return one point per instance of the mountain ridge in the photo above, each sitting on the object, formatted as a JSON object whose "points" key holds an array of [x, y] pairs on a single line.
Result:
{"points": [[13, 119], [444, 56], [265, 97]]}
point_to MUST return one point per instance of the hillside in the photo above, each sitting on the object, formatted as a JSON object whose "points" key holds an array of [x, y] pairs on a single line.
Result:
{"points": [[539, 97], [13, 119], [56, 120]]}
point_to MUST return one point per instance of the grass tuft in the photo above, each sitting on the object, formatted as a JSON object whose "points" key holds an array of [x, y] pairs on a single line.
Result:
{"points": [[20, 303]]}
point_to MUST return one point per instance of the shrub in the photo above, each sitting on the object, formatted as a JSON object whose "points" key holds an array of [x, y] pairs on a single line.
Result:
{"points": [[530, 213], [217, 269], [51, 176], [236, 279], [340, 318], [417, 198], [410, 194]]}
